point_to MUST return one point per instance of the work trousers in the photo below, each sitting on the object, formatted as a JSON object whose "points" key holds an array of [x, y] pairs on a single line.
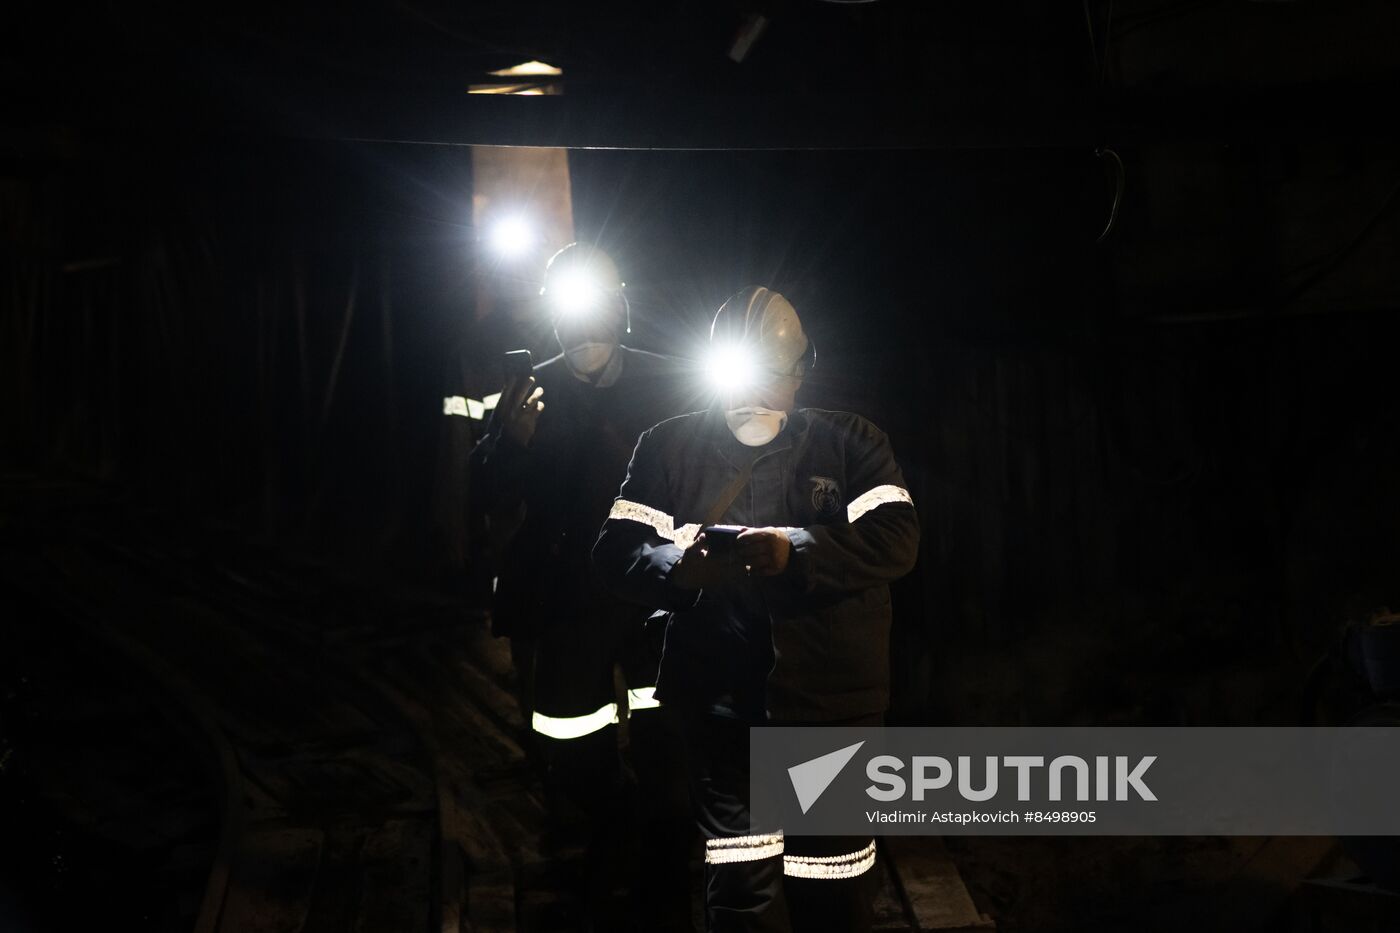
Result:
{"points": [[756, 878], [568, 697]]}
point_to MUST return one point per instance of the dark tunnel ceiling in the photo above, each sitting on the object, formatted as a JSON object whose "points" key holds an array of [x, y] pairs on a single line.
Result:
{"points": [[883, 73]]}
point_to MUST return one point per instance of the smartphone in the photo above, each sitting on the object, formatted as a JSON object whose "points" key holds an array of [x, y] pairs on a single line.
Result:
{"points": [[519, 365], [719, 539]]}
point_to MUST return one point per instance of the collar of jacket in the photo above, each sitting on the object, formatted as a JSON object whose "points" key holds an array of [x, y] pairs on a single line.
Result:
{"points": [[606, 377]]}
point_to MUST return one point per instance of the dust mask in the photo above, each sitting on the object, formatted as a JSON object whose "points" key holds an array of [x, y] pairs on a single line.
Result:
{"points": [[754, 427]]}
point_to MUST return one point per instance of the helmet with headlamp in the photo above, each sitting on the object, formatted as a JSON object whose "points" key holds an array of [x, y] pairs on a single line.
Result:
{"points": [[756, 341], [585, 300], [581, 281], [756, 335]]}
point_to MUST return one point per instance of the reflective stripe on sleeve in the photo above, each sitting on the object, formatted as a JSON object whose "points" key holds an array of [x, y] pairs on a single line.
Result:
{"points": [[743, 848], [880, 495], [635, 511], [574, 727], [686, 535], [830, 867], [642, 698], [658, 521]]}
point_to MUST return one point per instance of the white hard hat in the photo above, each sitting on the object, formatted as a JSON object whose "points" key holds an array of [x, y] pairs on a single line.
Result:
{"points": [[766, 324]]}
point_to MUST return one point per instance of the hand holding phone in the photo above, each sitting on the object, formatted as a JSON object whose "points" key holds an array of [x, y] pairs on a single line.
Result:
{"points": [[764, 552], [519, 407], [519, 364], [720, 539], [712, 560]]}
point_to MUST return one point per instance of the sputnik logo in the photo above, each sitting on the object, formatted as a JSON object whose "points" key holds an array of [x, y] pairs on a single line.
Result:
{"points": [[811, 778]]}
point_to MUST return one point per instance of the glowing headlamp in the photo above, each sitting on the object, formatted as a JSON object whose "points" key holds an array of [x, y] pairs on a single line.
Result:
{"points": [[574, 293], [512, 237], [731, 367]]}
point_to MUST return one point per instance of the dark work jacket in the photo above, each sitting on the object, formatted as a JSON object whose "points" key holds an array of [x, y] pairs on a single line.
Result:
{"points": [[565, 482], [831, 480]]}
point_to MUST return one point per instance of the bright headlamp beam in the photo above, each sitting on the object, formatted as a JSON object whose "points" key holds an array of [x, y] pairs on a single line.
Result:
{"points": [[575, 293], [512, 237], [731, 368]]}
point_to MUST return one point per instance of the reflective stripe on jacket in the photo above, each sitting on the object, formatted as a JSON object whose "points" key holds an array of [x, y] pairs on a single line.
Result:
{"points": [[831, 480]]}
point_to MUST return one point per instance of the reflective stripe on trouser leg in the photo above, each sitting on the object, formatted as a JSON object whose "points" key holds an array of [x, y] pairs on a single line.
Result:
{"points": [[829, 867], [727, 850], [574, 727]]}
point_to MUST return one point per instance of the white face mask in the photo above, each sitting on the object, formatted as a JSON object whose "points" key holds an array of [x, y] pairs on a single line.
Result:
{"points": [[754, 427], [589, 358]]}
